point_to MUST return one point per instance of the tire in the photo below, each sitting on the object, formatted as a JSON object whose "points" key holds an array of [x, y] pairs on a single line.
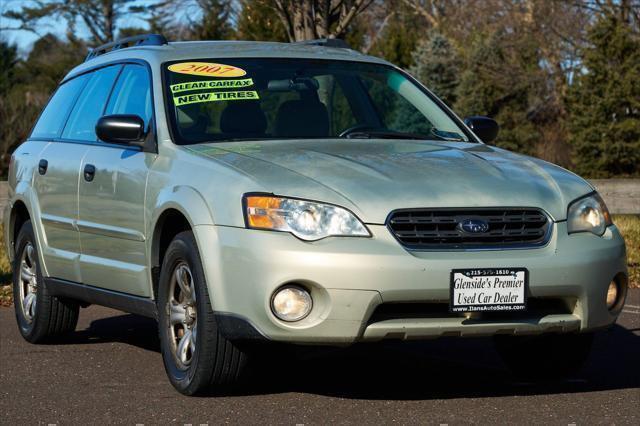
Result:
{"points": [[40, 316], [544, 357], [209, 362]]}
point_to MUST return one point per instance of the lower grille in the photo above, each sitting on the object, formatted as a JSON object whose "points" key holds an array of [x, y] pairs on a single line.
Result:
{"points": [[536, 308], [435, 229]]}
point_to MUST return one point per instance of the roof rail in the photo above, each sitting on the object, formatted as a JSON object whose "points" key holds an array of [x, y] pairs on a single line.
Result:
{"points": [[326, 42], [123, 43]]}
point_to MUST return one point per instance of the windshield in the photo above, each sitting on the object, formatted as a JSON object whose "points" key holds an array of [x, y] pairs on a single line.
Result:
{"points": [[244, 99]]}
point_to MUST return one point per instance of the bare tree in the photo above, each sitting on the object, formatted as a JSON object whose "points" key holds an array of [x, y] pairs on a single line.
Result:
{"points": [[433, 11], [627, 10], [311, 19], [99, 16]]}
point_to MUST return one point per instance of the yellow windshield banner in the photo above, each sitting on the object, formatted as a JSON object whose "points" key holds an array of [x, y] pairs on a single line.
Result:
{"points": [[245, 95], [211, 84], [207, 69]]}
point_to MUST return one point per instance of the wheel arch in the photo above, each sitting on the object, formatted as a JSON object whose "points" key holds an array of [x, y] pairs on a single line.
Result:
{"points": [[18, 216], [180, 201], [169, 223]]}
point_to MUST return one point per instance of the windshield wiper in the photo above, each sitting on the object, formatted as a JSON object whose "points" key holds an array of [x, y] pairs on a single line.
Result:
{"points": [[384, 134], [447, 136], [436, 134], [230, 140]]}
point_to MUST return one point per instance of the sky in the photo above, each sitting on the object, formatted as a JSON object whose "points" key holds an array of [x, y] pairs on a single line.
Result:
{"points": [[25, 39]]}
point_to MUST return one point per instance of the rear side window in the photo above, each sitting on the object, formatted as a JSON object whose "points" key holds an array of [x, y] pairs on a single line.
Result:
{"points": [[132, 94], [90, 105], [52, 119]]}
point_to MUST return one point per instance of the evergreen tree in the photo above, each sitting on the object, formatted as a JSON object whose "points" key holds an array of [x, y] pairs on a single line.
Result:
{"points": [[26, 86], [500, 83], [398, 41], [437, 65], [258, 21], [124, 32], [215, 23], [355, 33], [604, 102], [8, 61]]}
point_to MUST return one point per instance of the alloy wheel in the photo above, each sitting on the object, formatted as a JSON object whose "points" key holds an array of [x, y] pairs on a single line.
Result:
{"points": [[182, 312], [28, 282]]}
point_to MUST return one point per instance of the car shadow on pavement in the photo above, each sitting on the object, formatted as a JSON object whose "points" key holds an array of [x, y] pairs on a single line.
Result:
{"points": [[436, 369], [130, 329], [444, 368]]}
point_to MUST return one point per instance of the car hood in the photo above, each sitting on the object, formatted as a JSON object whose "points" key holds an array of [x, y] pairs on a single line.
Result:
{"points": [[374, 177]]}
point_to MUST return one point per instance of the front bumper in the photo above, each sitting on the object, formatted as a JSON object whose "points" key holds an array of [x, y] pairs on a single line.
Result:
{"points": [[350, 277]]}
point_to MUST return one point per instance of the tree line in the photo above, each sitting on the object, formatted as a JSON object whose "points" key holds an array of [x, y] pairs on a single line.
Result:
{"points": [[562, 77]]}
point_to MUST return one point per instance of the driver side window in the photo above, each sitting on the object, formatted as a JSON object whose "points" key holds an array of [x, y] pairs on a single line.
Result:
{"points": [[90, 105], [132, 94]]}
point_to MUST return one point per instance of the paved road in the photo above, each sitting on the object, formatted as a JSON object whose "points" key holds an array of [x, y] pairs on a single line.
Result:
{"points": [[110, 371]]}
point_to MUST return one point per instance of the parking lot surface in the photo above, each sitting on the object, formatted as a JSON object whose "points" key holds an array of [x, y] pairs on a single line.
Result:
{"points": [[110, 371]]}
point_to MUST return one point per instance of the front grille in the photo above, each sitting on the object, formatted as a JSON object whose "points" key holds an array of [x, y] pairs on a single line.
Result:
{"points": [[435, 229]]}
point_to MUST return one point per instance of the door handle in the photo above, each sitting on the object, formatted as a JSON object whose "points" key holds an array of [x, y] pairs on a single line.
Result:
{"points": [[42, 166], [89, 172]]}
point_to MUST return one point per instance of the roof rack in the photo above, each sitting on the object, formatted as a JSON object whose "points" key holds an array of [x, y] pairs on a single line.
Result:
{"points": [[326, 42], [123, 43]]}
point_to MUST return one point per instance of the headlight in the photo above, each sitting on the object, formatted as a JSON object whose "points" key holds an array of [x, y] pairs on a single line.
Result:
{"points": [[588, 214], [306, 220]]}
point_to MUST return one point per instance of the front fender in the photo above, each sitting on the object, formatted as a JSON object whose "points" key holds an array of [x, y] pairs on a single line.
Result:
{"points": [[185, 199], [182, 198]]}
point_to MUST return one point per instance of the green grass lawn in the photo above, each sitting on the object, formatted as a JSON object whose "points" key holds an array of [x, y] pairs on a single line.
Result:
{"points": [[5, 273], [629, 226]]}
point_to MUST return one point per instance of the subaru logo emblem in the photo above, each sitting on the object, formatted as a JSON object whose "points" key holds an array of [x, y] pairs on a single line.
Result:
{"points": [[474, 226]]}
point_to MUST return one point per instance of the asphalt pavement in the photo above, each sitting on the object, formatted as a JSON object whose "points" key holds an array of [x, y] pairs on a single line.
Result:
{"points": [[110, 371]]}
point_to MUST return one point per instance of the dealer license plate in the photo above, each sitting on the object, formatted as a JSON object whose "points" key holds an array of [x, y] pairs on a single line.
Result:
{"points": [[489, 289]]}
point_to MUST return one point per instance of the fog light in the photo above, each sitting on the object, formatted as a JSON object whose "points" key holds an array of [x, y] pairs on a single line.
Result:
{"points": [[291, 303], [612, 295]]}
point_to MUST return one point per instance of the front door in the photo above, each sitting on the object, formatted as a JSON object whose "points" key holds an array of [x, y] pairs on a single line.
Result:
{"points": [[111, 225], [112, 197]]}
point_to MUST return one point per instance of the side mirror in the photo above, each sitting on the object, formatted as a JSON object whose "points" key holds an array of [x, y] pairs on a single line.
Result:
{"points": [[121, 129], [484, 127]]}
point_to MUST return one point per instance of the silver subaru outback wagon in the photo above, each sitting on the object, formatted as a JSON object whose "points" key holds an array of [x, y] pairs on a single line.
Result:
{"points": [[243, 193]]}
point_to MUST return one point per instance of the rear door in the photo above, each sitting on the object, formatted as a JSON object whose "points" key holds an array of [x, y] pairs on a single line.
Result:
{"points": [[111, 204], [56, 184], [59, 185]]}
